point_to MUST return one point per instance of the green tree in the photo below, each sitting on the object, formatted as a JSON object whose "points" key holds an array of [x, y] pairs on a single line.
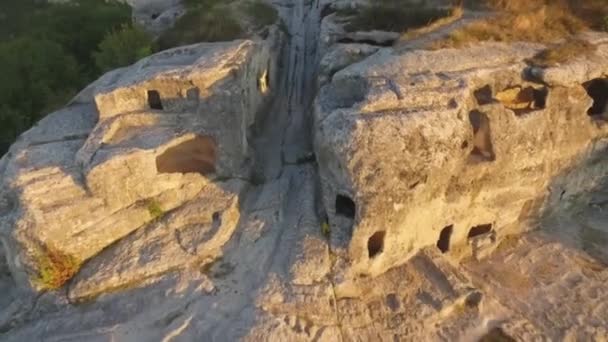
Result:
{"points": [[123, 47], [46, 55], [79, 26], [38, 76]]}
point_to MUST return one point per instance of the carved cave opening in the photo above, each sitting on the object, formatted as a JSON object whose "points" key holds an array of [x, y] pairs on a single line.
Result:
{"points": [[154, 101], [444, 239], [484, 95], [375, 244], [345, 206], [479, 230], [597, 89], [482, 137], [196, 155]]}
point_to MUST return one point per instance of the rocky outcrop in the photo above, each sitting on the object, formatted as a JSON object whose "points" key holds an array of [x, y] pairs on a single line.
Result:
{"points": [[446, 147], [316, 190], [156, 16], [139, 143]]}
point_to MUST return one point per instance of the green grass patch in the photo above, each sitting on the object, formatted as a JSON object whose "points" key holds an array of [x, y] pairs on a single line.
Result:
{"points": [[154, 208]]}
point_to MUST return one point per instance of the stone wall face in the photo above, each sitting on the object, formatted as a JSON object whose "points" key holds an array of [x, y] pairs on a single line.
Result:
{"points": [[448, 148]]}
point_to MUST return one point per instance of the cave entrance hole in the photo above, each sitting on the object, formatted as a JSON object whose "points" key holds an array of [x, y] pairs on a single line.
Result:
{"points": [[597, 89], [444, 239], [345, 206], [154, 101], [375, 244]]}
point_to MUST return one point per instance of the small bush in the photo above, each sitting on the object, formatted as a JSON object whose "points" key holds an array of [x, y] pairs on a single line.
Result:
{"points": [[393, 18], [202, 25], [123, 47], [154, 208], [262, 14], [55, 268]]}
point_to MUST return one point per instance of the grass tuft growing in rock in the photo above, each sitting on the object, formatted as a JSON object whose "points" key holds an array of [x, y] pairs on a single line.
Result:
{"points": [[154, 208], [55, 268]]}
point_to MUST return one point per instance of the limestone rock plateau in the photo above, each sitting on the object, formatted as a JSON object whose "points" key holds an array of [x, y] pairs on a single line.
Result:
{"points": [[314, 184]]}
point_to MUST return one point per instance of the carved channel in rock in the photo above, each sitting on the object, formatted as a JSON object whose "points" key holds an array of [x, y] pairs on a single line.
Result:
{"points": [[375, 244], [479, 230], [154, 100], [345, 206], [196, 155], [523, 100], [482, 138], [444, 239], [598, 91]]}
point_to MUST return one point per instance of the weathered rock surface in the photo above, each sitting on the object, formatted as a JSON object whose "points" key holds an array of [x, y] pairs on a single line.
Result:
{"points": [[212, 198], [156, 134], [461, 134]]}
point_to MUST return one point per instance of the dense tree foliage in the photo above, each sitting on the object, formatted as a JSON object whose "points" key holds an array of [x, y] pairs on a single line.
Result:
{"points": [[122, 47], [50, 51]]}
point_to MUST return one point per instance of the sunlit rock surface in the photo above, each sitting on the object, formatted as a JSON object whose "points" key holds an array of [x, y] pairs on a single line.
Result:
{"points": [[308, 187], [139, 143], [459, 143]]}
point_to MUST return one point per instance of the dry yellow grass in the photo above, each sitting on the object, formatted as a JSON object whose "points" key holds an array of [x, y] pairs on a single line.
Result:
{"points": [[542, 21], [562, 52], [456, 13]]}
